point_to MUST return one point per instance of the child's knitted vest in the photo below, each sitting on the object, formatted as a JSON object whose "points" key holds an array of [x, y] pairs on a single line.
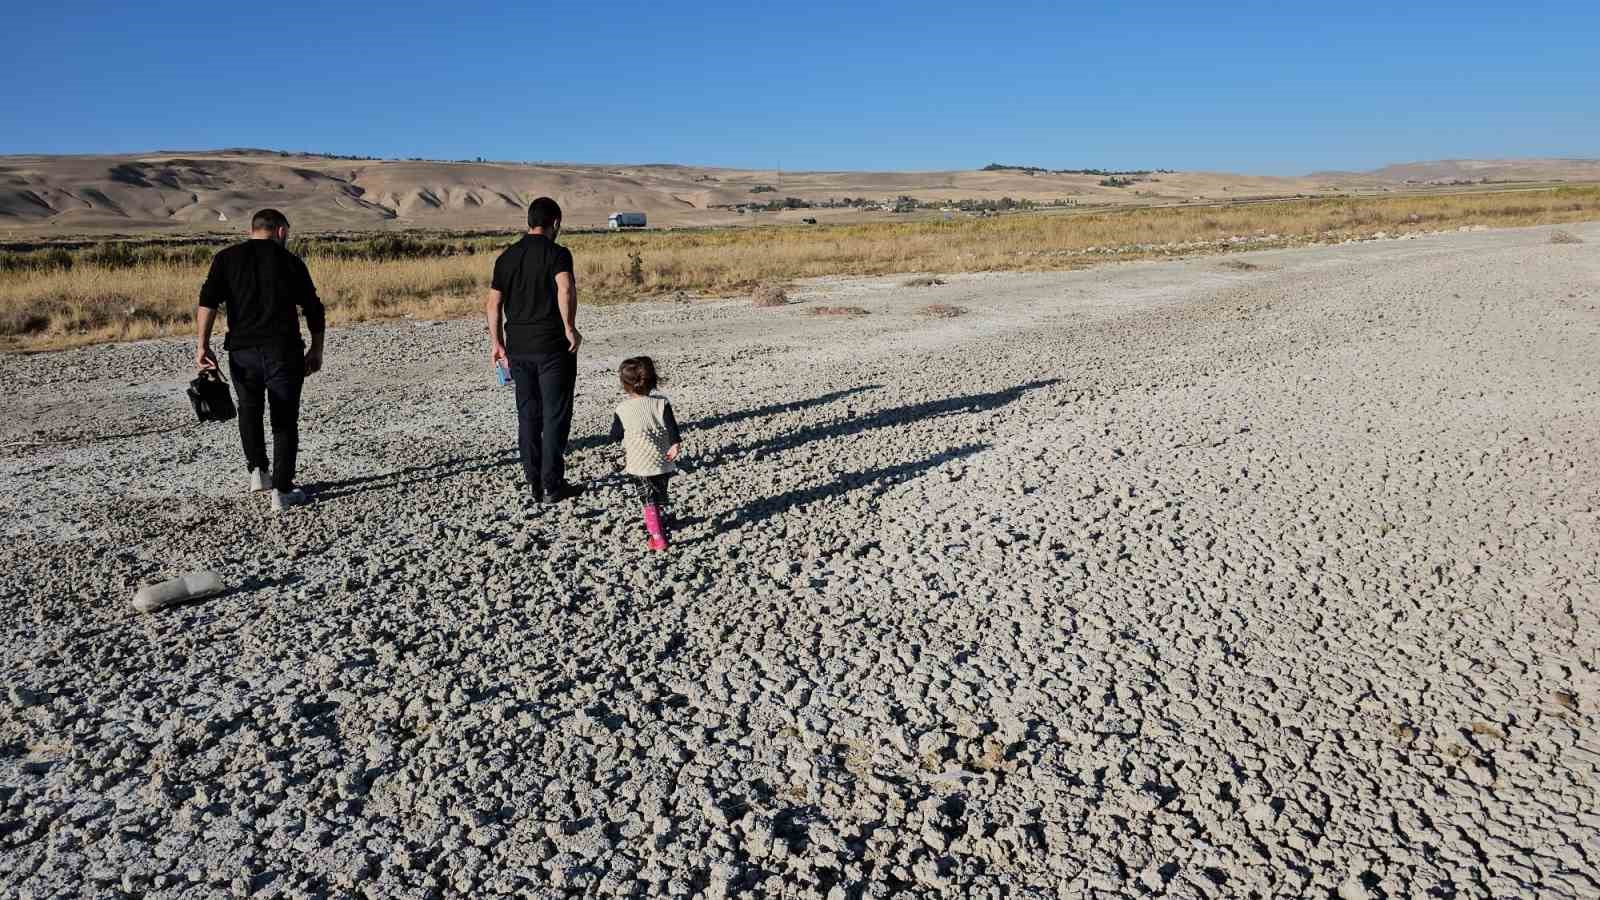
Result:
{"points": [[645, 435]]}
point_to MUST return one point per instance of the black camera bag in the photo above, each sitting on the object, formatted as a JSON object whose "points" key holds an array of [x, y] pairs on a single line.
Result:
{"points": [[209, 394]]}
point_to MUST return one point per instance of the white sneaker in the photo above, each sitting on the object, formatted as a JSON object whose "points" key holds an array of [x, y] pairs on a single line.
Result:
{"points": [[259, 481], [282, 500]]}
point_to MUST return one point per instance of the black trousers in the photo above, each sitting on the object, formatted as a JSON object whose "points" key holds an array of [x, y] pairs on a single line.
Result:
{"points": [[651, 489], [273, 373], [544, 383]]}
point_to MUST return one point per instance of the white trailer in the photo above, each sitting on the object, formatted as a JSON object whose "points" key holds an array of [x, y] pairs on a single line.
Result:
{"points": [[625, 220]]}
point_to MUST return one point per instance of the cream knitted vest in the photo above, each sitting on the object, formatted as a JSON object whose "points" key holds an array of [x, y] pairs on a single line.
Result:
{"points": [[645, 435]]}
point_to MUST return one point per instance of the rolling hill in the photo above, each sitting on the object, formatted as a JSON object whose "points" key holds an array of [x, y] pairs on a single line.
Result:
{"points": [[214, 190]]}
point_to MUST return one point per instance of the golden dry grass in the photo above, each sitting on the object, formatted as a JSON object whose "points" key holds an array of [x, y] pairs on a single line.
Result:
{"points": [[90, 303]]}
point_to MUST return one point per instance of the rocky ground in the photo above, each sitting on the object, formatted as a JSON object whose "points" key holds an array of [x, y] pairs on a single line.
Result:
{"points": [[1266, 575]]}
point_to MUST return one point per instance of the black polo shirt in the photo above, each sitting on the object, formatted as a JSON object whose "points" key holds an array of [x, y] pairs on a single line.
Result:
{"points": [[262, 288], [525, 275]]}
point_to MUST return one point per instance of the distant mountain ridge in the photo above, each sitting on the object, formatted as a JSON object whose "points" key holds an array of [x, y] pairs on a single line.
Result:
{"points": [[1490, 170], [215, 190]]}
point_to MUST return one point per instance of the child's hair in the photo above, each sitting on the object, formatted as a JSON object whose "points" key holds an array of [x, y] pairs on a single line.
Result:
{"points": [[638, 375]]}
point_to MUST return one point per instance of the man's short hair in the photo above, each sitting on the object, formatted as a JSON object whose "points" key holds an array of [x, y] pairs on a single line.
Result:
{"points": [[543, 213], [269, 220]]}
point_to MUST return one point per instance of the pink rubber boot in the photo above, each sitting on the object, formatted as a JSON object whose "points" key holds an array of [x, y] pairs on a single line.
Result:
{"points": [[652, 523]]}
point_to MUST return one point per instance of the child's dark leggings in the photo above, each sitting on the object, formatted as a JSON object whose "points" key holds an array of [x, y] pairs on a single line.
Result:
{"points": [[652, 489]]}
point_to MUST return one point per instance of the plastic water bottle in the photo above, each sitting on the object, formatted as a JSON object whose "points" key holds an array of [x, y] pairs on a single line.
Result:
{"points": [[502, 374]]}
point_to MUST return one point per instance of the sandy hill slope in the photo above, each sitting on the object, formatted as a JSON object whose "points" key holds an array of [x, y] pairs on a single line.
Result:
{"points": [[214, 190], [1457, 171], [1447, 170]]}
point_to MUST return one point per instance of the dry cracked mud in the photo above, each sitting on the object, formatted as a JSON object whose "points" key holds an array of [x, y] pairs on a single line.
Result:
{"points": [[1172, 579]]}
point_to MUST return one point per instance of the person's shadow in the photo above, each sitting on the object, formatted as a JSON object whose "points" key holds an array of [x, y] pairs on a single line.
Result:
{"points": [[589, 442], [762, 509], [898, 415], [344, 487], [877, 480]]}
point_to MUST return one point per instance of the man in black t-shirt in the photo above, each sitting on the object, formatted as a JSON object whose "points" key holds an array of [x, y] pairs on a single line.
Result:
{"points": [[532, 312], [264, 288]]}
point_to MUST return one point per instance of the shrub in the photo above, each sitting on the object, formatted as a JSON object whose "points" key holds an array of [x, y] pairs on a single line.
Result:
{"points": [[1564, 237], [943, 310], [837, 311], [636, 268], [771, 294], [763, 189], [115, 255], [924, 281], [198, 255], [24, 321], [49, 260]]}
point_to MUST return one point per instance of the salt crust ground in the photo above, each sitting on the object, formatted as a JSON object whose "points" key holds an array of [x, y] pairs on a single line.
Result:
{"points": [[1170, 578]]}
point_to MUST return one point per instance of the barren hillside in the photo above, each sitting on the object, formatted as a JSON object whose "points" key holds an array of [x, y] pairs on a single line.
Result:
{"points": [[1446, 170], [213, 190]]}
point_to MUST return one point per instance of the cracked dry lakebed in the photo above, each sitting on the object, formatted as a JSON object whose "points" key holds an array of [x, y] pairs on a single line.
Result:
{"points": [[1170, 578]]}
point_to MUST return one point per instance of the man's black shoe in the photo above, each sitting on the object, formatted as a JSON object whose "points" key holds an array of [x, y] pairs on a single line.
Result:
{"points": [[565, 492]]}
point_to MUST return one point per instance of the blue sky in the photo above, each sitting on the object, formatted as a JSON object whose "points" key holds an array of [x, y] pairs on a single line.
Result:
{"points": [[1243, 86]]}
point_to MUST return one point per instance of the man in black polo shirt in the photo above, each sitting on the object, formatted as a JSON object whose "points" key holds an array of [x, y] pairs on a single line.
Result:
{"points": [[263, 288], [532, 313]]}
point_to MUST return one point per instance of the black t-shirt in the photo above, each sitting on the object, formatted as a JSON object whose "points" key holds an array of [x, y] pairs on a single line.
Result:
{"points": [[261, 285], [525, 276]]}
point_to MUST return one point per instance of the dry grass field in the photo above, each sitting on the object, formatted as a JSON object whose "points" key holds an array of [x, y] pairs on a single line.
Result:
{"points": [[111, 296]]}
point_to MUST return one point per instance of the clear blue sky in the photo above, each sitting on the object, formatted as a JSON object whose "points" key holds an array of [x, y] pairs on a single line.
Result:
{"points": [[1241, 86]]}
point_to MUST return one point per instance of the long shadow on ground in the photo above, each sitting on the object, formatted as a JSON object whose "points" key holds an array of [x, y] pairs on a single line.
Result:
{"points": [[877, 480], [344, 487], [899, 415], [330, 490], [589, 442]]}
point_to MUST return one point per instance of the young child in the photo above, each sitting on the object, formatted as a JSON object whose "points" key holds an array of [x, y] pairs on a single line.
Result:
{"points": [[648, 432]]}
